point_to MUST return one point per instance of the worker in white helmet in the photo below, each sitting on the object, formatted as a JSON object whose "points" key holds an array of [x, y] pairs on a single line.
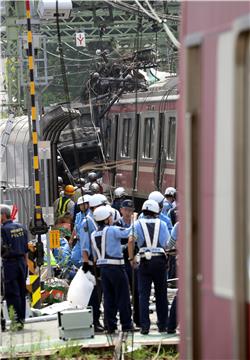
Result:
{"points": [[120, 194], [87, 227], [169, 202], [106, 244], [151, 235]]}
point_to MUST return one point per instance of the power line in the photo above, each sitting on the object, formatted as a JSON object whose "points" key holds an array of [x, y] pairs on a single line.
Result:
{"points": [[166, 28]]}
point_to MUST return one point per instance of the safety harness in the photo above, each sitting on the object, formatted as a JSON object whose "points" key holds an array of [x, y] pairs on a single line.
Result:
{"points": [[151, 246], [102, 257], [89, 218]]}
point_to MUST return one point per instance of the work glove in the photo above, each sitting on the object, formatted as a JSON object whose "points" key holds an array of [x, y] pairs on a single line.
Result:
{"points": [[85, 267]]}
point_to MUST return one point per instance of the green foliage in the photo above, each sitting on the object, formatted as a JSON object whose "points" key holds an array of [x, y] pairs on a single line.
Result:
{"points": [[149, 353], [72, 351]]}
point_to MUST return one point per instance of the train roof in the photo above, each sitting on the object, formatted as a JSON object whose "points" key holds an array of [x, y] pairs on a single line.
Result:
{"points": [[166, 90]]}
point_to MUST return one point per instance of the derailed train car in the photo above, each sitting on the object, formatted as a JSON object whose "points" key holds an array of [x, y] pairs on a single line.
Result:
{"points": [[17, 156]]}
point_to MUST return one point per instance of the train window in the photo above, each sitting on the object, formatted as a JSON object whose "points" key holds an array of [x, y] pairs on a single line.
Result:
{"points": [[149, 135], [126, 129], [171, 138]]}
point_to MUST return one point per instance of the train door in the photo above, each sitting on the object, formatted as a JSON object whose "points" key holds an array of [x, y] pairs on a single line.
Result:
{"points": [[110, 145], [161, 153], [148, 151], [169, 160], [242, 194]]}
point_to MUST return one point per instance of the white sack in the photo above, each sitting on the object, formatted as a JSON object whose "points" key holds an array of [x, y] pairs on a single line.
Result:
{"points": [[80, 289]]}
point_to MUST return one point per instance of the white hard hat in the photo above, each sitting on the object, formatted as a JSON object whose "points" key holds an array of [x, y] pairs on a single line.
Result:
{"points": [[157, 196], [83, 199], [119, 192], [80, 200], [170, 191], [101, 213], [104, 199], [115, 214], [96, 200], [151, 205]]}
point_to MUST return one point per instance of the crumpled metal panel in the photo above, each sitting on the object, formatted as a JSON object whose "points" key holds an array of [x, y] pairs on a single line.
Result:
{"points": [[15, 164], [23, 198]]}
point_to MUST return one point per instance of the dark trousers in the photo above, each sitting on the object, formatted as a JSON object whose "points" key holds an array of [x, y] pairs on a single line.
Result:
{"points": [[15, 286], [129, 271], [116, 296], [172, 320], [95, 302], [172, 267], [153, 270]]}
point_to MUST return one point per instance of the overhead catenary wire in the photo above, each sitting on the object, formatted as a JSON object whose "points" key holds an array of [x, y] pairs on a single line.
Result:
{"points": [[69, 59], [155, 16], [66, 88], [99, 139]]}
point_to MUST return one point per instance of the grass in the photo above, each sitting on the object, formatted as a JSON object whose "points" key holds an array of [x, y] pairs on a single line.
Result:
{"points": [[165, 352]]}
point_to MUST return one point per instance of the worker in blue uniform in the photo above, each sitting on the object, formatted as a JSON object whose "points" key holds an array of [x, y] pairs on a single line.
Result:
{"points": [[152, 236], [159, 198], [76, 254], [120, 195], [83, 202], [127, 210], [108, 255], [14, 250], [87, 227], [169, 202]]}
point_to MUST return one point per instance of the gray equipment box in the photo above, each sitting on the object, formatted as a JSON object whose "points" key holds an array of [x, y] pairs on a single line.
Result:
{"points": [[76, 324]]}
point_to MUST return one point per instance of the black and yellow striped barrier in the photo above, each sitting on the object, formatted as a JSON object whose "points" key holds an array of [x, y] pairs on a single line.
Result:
{"points": [[34, 279], [34, 288], [33, 114]]}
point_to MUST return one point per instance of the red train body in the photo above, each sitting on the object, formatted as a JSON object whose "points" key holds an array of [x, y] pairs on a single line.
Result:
{"points": [[141, 139], [213, 180]]}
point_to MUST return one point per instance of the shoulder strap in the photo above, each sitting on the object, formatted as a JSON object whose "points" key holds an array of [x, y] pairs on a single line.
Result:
{"points": [[100, 254], [103, 245], [145, 232], [59, 205], [62, 205], [65, 205], [157, 223], [156, 232]]}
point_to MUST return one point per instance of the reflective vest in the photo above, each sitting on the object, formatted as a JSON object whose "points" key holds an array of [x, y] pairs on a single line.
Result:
{"points": [[62, 205], [98, 239], [151, 245]]}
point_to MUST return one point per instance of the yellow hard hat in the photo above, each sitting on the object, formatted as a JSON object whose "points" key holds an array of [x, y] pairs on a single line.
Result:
{"points": [[69, 190]]}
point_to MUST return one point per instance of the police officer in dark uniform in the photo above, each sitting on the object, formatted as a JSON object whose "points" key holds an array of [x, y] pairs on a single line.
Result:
{"points": [[14, 249], [109, 258], [127, 210], [152, 236]]}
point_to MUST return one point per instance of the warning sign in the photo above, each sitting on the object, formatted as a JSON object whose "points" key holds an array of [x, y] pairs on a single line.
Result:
{"points": [[80, 39], [54, 239]]}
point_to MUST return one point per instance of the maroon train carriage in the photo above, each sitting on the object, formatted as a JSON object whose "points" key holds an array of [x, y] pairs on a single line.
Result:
{"points": [[140, 140], [213, 180]]}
